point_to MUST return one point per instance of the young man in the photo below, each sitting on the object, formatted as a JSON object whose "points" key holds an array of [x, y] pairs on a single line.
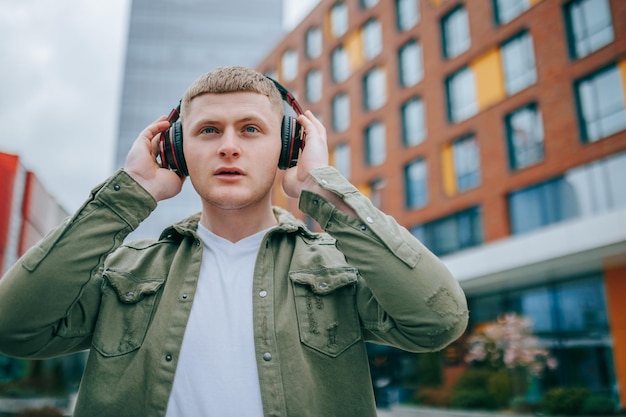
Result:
{"points": [[238, 310]]}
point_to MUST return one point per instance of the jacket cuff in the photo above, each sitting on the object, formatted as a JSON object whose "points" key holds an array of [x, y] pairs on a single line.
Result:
{"points": [[126, 198]]}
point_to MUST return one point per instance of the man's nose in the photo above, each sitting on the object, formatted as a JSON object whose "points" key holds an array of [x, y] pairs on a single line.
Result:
{"points": [[229, 144]]}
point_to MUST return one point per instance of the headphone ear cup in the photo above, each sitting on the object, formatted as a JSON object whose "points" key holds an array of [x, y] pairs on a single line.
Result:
{"points": [[287, 136], [180, 164]]}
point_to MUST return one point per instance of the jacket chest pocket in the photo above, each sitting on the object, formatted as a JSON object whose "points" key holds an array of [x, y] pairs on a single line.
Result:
{"points": [[326, 308], [125, 312]]}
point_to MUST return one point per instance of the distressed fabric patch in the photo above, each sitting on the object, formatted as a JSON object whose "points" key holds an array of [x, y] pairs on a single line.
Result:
{"points": [[443, 303]]}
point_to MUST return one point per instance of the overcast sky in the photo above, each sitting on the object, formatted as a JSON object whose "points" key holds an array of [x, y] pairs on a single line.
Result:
{"points": [[60, 85]]}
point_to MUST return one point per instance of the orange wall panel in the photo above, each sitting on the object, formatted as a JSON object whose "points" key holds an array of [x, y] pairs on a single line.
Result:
{"points": [[8, 171], [615, 281]]}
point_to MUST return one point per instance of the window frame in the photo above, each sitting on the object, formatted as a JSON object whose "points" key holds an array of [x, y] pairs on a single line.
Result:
{"points": [[466, 107], [572, 30], [432, 234], [463, 160], [372, 38], [314, 42], [374, 88], [401, 12], [410, 54], [583, 106], [409, 132], [314, 85], [416, 188], [456, 38], [518, 77], [340, 109], [537, 143], [375, 140], [339, 19]]}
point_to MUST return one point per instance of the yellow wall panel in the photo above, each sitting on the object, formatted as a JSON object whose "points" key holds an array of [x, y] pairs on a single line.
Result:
{"points": [[489, 78], [622, 68], [365, 189], [354, 48], [447, 167]]}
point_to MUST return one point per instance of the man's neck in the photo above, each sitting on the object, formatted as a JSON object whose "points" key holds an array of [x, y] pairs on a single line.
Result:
{"points": [[234, 225]]}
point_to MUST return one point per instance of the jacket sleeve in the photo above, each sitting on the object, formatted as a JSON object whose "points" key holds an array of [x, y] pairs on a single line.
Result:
{"points": [[50, 298], [406, 296]]}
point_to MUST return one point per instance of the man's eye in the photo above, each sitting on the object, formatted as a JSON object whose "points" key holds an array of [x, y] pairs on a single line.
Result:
{"points": [[209, 130], [251, 129]]}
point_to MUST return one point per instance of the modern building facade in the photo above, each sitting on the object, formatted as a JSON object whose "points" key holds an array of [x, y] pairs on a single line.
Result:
{"points": [[170, 44], [495, 131]]}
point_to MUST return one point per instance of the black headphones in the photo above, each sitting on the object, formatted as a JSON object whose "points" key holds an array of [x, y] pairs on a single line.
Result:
{"points": [[292, 137]]}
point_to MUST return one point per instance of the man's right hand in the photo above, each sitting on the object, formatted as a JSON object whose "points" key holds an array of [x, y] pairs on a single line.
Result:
{"points": [[141, 163]]}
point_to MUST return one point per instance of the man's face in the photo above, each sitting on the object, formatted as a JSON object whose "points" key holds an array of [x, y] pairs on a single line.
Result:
{"points": [[231, 145]]}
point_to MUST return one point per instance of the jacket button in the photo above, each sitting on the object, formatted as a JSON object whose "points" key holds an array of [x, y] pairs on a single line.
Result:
{"points": [[262, 293], [130, 294], [168, 357], [184, 296], [323, 285], [267, 356], [116, 187]]}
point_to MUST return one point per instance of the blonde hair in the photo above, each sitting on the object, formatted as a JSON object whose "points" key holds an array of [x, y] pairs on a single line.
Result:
{"points": [[231, 80]]}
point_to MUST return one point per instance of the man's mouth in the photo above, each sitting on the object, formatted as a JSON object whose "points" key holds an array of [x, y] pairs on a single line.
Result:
{"points": [[228, 171]]}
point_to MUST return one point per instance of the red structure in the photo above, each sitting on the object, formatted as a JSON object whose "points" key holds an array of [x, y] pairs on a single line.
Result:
{"points": [[27, 210]]}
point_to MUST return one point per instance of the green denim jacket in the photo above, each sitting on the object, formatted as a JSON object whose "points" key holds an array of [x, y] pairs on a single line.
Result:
{"points": [[317, 299]]}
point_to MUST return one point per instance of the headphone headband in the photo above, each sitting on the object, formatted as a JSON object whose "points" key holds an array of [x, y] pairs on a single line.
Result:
{"points": [[292, 137]]}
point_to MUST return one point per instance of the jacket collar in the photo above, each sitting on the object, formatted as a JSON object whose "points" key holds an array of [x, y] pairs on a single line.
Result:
{"points": [[287, 223]]}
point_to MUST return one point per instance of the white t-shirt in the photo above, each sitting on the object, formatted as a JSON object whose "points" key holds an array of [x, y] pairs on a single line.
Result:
{"points": [[217, 370]]}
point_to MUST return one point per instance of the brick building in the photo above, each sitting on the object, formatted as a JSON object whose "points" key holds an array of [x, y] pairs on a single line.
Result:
{"points": [[495, 131]]}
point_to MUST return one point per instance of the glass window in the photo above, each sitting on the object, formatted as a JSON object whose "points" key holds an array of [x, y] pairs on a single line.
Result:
{"points": [[462, 95], [376, 192], [407, 13], [339, 19], [518, 61], [589, 25], [411, 68], [313, 42], [571, 318], [366, 4], [582, 307], [341, 112], [524, 136], [601, 103], [372, 38], [375, 89], [416, 184], [313, 86], [289, 68], [413, 122], [536, 305], [342, 159], [340, 64], [598, 186], [456, 34], [507, 10], [375, 144], [540, 205], [453, 233], [466, 163]]}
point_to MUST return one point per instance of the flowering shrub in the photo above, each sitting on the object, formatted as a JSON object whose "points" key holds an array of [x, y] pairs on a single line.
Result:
{"points": [[509, 342]]}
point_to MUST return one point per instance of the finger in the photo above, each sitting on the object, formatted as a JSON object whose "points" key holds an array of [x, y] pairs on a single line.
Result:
{"points": [[156, 127]]}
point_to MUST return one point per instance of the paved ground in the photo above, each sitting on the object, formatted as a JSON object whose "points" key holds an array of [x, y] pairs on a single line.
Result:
{"points": [[410, 411]]}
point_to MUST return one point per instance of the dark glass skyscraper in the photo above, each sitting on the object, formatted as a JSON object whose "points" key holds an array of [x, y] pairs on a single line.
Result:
{"points": [[170, 44]]}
